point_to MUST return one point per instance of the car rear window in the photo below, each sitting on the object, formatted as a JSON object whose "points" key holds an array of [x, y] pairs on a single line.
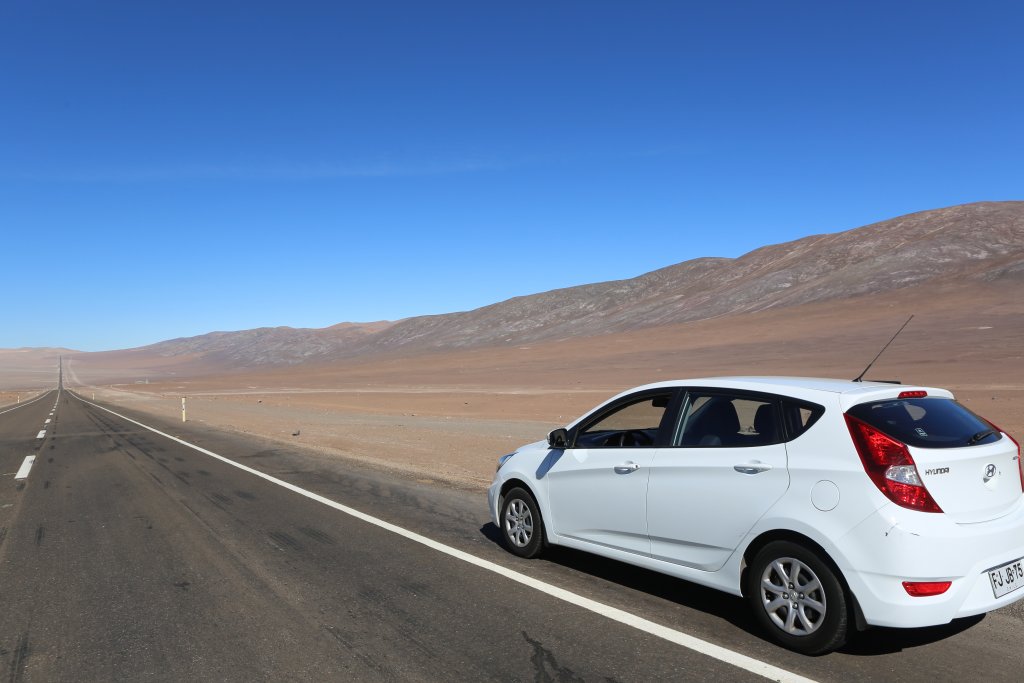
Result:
{"points": [[926, 422]]}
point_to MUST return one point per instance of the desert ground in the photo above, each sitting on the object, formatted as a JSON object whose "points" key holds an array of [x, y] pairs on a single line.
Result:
{"points": [[10, 398], [447, 416]]}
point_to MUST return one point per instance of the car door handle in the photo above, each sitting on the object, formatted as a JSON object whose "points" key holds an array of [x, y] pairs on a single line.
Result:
{"points": [[626, 468], [752, 467]]}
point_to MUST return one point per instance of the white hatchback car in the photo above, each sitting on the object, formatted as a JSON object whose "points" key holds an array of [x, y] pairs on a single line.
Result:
{"points": [[825, 502]]}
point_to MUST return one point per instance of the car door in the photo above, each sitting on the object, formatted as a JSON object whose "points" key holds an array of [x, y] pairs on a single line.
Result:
{"points": [[597, 488], [724, 468]]}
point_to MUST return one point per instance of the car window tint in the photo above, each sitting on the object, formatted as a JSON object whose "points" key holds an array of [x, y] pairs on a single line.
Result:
{"points": [[714, 420], [799, 417], [926, 422], [632, 425]]}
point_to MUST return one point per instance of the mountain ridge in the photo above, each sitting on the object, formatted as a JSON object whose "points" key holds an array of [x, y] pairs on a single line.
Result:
{"points": [[982, 241]]}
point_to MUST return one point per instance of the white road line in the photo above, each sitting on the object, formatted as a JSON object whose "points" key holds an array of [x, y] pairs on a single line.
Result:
{"points": [[22, 405], [615, 614], [41, 434], [25, 468], [47, 421]]}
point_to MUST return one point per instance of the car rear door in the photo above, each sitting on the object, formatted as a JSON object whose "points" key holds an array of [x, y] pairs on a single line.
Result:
{"points": [[724, 468]]}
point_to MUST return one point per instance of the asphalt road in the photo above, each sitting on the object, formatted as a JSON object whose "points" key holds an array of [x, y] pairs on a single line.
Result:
{"points": [[126, 555]]}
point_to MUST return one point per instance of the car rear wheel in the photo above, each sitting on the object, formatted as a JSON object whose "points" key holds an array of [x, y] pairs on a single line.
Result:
{"points": [[521, 525], [797, 598]]}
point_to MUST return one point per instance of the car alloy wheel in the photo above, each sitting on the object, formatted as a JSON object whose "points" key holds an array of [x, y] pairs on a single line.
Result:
{"points": [[521, 524], [793, 597], [797, 597]]}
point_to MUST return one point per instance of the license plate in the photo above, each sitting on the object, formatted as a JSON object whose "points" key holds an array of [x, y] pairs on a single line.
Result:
{"points": [[1007, 578]]}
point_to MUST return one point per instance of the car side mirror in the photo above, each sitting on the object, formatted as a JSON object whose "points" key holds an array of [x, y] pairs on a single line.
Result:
{"points": [[558, 438]]}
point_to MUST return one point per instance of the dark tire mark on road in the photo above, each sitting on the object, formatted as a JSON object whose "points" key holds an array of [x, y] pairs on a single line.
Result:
{"points": [[280, 538], [354, 649], [21, 654], [317, 535], [220, 498]]}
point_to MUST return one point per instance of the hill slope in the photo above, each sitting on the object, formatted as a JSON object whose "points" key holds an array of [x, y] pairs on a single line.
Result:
{"points": [[982, 242], [976, 241]]}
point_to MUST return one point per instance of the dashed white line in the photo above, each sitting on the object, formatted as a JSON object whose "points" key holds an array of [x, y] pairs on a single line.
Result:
{"points": [[47, 421], [722, 654], [25, 468], [41, 434]]}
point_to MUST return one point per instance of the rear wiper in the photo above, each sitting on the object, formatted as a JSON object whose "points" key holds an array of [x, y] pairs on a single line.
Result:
{"points": [[981, 435]]}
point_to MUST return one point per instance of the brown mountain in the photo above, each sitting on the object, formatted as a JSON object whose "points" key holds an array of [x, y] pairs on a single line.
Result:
{"points": [[973, 243], [983, 241]]}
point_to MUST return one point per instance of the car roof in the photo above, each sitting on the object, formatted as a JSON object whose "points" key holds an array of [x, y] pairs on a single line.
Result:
{"points": [[848, 392]]}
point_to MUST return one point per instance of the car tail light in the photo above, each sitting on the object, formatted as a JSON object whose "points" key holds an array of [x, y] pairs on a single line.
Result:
{"points": [[890, 466], [1020, 463], [923, 589]]}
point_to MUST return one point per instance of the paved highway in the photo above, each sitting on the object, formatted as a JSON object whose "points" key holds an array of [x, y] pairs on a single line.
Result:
{"points": [[126, 554]]}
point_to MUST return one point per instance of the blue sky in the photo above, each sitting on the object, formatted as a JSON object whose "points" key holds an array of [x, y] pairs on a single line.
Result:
{"points": [[169, 169]]}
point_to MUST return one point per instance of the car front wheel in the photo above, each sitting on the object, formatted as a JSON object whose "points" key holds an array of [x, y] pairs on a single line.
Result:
{"points": [[521, 525], [797, 598]]}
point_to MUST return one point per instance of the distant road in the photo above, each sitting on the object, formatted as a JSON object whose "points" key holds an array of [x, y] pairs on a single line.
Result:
{"points": [[128, 555]]}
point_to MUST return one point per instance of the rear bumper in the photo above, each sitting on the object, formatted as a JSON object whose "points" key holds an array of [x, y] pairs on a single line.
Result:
{"points": [[896, 545]]}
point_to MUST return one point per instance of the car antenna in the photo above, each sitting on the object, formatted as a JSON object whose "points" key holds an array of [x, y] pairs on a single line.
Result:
{"points": [[860, 377]]}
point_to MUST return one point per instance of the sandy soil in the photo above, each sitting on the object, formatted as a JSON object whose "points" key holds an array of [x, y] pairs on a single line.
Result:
{"points": [[11, 398], [449, 415], [420, 439]]}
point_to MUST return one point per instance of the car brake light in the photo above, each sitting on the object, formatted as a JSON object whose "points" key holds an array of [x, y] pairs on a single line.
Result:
{"points": [[922, 589], [889, 465], [912, 394], [1020, 463]]}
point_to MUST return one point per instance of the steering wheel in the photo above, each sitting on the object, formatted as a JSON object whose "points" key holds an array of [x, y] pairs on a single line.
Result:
{"points": [[629, 437], [638, 437]]}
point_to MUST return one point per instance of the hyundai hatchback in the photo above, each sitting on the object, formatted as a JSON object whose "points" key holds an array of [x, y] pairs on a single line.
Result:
{"points": [[825, 503]]}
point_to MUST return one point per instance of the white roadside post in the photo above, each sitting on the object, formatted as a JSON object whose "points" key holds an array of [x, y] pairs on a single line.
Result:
{"points": [[182, 408]]}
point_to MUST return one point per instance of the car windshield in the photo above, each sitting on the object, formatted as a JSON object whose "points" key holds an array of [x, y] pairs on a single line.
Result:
{"points": [[927, 422]]}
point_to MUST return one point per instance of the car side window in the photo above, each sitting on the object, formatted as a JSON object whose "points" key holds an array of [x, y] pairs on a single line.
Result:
{"points": [[799, 417], [722, 420], [632, 425]]}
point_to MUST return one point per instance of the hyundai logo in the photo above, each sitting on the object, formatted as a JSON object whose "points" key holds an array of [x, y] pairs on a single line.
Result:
{"points": [[990, 471]]}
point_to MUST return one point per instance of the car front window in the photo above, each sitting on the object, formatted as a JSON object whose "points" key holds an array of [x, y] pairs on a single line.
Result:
{"points": [[632, 425]]}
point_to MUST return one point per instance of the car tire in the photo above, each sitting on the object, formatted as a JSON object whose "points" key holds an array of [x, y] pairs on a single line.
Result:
{"points": [[797, 598], [521, 526]]}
